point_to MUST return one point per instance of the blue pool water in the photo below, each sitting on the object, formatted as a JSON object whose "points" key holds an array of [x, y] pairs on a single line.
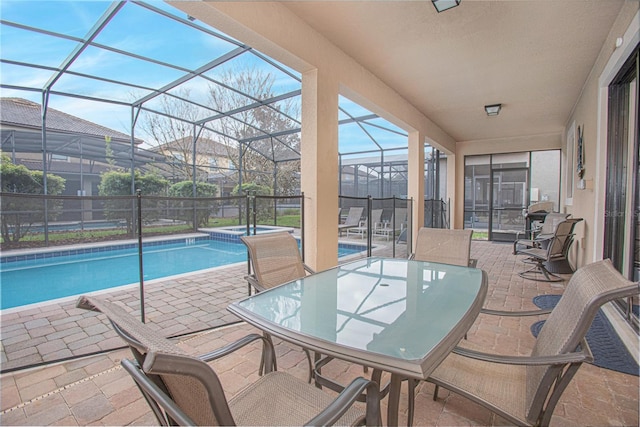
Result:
{"points": [[31, 281]]}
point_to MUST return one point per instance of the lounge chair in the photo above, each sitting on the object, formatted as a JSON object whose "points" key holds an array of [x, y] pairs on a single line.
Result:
{"points": [[444, 246], [524, 390], [353, 219], [363, 226], [401, 224], [395, 224], [185, 390], [557, 250]]}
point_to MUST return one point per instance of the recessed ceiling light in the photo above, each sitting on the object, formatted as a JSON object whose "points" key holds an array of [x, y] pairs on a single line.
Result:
{"points": [[493, 110], [442, 5]]}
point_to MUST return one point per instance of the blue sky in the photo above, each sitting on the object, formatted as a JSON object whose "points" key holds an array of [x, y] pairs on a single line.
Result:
{"points": [[142, 32]]}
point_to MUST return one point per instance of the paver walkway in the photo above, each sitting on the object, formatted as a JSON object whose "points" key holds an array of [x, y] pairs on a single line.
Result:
{"points": [[95, 389], [51, 332]]}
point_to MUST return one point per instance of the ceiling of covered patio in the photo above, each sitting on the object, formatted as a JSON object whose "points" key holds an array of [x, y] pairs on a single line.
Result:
{"points": [[533, 57]]}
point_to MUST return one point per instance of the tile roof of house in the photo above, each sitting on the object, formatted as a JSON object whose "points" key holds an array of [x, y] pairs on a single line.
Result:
{"points": [[64, 167], [204, 146], [24, 113]]}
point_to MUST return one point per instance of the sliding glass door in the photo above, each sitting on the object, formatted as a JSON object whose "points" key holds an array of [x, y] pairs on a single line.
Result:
{"points": [[622, 202], [500, 187]]}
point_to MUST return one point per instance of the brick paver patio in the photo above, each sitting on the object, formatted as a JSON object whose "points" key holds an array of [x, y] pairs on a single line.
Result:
{"points": [[95, 390]]}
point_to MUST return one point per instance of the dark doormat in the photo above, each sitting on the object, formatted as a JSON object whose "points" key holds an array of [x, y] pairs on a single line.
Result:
{"points": [[608, 350]]}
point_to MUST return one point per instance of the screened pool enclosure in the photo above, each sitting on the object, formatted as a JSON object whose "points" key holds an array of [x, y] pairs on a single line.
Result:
{"points": [[140, 86]]}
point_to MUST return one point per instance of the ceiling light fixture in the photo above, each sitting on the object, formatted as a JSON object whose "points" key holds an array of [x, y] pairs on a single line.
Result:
{"points": [[442, 5], [493, 110]]}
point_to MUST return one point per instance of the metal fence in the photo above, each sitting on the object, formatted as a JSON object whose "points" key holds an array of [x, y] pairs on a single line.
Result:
{"points": [[33, 221], [394, 222]]}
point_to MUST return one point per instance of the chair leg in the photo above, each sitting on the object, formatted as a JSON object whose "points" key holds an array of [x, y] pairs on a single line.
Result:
{"points": [[310, 364], [539, 269], [435, 392], [262, 366]]}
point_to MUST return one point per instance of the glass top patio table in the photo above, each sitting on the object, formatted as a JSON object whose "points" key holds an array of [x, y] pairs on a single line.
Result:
{"points": [[396, 315]]}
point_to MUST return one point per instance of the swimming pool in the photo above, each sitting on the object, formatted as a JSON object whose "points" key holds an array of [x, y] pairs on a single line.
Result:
{"points": [[68, 273]]}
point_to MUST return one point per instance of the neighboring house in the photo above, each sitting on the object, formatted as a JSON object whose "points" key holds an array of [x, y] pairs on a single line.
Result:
{"points": [[213, 161], [76, 149]]}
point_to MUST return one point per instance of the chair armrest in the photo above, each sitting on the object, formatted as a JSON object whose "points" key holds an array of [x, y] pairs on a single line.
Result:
{"points": [[473, 263], [230, 348], [529, 230], [346, 399], [309, 269], [515, 313], [534, 233], [254, 282], [561, 359], [412, 256]]}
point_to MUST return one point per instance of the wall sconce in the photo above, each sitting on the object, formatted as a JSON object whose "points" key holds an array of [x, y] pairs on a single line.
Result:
{"points": [[442, 5], [493, 110]]}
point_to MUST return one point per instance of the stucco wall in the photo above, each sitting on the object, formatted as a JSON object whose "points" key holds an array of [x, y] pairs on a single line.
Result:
{"points": [[590, 115]]}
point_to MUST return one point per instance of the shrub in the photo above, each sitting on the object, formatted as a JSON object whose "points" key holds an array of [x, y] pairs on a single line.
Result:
{"points": [[203, 208], [20, 213]]}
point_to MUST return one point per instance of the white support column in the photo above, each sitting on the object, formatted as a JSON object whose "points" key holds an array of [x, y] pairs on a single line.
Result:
{"points": [[416, 180], [319, 167]]}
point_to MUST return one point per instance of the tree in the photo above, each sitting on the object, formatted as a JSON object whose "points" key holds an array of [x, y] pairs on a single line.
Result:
{"points": [[260, 156], [175, 137], [263, 210], [118, 183], [203, 207], [266, 161], [20, 213]]}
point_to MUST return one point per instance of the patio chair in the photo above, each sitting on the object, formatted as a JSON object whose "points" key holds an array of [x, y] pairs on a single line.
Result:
{"points": [[363, 226], [444, 246], [557, 250], [275, 259], [353, 219], [540, 236], [524, 390], [185, 390]]}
